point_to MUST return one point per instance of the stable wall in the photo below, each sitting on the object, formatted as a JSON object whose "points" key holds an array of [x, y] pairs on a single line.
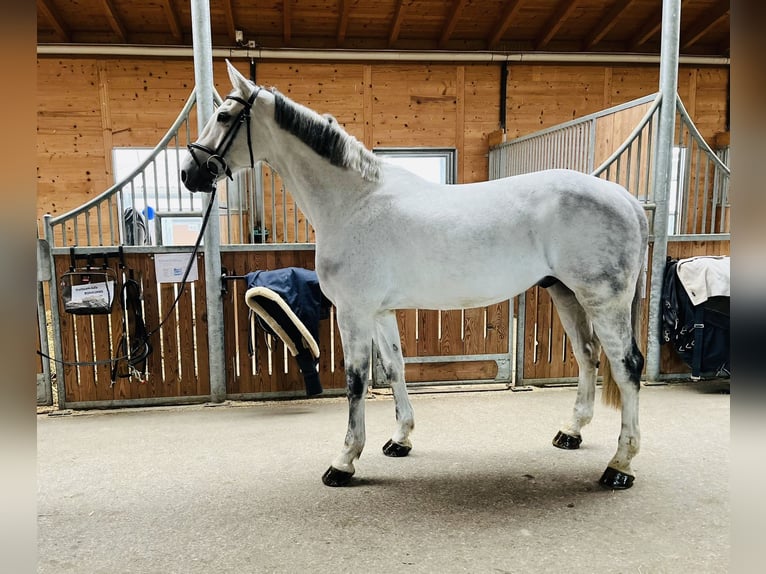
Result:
{"points": [[87, 106]]}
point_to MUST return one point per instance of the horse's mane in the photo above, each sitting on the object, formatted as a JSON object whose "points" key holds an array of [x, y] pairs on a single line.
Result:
{"points": [[326, 137]]}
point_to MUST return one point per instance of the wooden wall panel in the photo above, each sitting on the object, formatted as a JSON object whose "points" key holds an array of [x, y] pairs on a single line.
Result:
{"points": [[88, 105], [540, 96], [414, 105], [336, 89], [482, 117], [70, 149]]}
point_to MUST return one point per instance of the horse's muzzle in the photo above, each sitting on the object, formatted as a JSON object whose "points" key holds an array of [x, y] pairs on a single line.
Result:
{"points": [[198, 180]]}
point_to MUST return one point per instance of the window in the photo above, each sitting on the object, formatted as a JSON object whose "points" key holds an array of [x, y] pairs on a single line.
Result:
{"points": [[434, 164], [172, 214]]}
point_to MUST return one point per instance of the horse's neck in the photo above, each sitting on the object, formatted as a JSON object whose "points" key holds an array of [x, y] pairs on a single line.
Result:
{"points": [[323, 191]]}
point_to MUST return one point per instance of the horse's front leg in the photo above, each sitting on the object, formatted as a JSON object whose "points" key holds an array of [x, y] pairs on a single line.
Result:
{"points": [[389, 346], [356, 336]]}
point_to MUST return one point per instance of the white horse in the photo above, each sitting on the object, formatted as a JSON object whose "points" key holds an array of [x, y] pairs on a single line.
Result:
{"points": [[387, 239]]}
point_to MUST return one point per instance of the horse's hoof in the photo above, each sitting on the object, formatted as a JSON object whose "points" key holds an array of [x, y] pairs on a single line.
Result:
{"points": [[395, 449], [566, 441], [335, 477], [615, 479]]}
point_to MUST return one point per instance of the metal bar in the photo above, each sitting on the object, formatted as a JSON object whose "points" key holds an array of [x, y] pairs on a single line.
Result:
{"points": [[203, 76], [110, 201], [671, 22], [584, 119], [696, 189], [647, 117], [520, 336], [116, 187], [702, 237], [273, 206], [284, 213], [99, 224], [61, 381], [455, 358]]}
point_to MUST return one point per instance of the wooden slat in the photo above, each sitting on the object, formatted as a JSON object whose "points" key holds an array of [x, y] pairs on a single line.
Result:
{"points": [[473, 331], [451, 341], [406, 319], [169, 340], [200, 321], [557, 345], [428, 333], [231, 324], [188, 379], [101, 329], [531, 313], [450, 371], [68, 350], [498, 337]]}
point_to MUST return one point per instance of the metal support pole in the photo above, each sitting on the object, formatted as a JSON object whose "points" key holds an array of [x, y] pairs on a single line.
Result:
{"points": [[53, 293], [203, 78], [671, 24]]}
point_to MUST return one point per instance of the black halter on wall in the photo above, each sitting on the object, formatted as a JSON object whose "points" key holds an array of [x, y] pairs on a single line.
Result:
{"points": [[216, 164]]}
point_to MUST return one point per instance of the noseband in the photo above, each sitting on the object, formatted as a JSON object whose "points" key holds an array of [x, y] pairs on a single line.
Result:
{"points": [[215, 164]]}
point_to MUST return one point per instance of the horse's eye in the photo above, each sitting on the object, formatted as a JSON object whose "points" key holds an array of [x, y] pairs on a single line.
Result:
{"points": [[223, 117]]}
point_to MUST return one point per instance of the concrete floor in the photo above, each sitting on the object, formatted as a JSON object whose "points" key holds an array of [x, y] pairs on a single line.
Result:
{"points": [[237, 488]]}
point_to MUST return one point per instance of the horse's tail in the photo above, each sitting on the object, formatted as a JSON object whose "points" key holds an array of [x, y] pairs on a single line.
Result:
{"points": [[610, 392]]}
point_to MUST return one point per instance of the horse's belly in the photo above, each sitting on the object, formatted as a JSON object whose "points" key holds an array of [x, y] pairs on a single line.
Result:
{"points": [[460, 287]]}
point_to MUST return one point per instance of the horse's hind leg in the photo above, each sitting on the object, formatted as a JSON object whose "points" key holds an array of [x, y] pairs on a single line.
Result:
{"points": [[626, 362], [356, 335], [586, 349], [389, 346]]}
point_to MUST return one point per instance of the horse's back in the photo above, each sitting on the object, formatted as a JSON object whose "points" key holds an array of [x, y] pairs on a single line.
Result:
{"points": [[436, 246]]}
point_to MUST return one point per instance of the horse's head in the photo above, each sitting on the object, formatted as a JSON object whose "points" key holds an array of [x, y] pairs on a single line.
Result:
{"points": [[223, 147]]}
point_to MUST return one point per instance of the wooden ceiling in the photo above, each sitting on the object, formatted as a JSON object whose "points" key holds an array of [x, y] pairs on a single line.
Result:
{"points": [[618, 26]]}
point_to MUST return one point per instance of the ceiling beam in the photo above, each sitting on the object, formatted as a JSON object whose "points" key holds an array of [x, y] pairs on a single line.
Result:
{"points": [[114, 21], [605, 24], [556, 21], [344, 8], [511, 9], [231, 26], [52, 15], [286, 31], [454, 16], [702, 25], [173, 21], [649, 28], [396, 25]]}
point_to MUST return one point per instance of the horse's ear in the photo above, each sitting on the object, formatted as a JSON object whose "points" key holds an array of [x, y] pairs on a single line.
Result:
{"points": [[238, 81]]}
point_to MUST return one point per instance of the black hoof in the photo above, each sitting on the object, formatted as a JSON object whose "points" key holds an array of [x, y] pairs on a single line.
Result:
{"points": [[395, 449], [566, 441], [615, 479], [335, 477]]}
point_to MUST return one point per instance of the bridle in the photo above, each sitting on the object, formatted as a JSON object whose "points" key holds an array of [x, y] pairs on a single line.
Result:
{"points": [[215, 164]]}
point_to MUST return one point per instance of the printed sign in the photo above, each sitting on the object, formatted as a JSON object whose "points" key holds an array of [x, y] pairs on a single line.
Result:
{"points": [[170, 267], [93, 294]]}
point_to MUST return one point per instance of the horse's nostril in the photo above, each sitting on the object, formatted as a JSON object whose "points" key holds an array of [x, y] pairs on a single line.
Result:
{"points": [[183, 175]]}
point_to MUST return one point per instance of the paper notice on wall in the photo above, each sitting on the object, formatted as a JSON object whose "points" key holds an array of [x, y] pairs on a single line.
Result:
{"points": [[93, 294], [170, 267]]}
